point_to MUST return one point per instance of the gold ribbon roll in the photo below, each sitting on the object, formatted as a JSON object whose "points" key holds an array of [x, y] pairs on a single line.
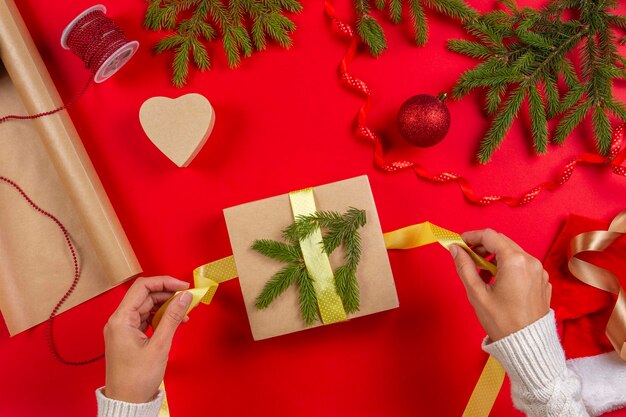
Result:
{"points": [[491, 378], [317, 262], [601, 278]]}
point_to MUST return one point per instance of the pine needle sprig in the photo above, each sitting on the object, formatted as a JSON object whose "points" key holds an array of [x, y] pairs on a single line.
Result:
{"points": [[526, 53], [337, 230], [278, 250], [283, 279], [372, 34], [243, 25], [307, 298]]}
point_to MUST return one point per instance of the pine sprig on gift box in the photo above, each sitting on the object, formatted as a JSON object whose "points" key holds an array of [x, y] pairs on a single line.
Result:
{"points": [[528, 54], [372, 34], [244, 25], [337, 230]]}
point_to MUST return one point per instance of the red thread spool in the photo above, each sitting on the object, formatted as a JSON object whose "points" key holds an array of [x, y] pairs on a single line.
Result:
{"points": [[99, 42]]}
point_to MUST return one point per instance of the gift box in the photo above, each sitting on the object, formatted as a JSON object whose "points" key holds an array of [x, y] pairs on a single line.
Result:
{"points": [[46, 158], [266, 219]]}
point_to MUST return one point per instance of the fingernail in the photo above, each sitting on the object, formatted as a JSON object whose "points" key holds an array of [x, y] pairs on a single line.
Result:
{"points": [[454, 250], [185, 298]]}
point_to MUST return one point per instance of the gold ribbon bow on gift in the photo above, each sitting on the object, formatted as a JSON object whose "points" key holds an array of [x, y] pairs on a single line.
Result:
{"points": [[601, 278], [208, 277]]}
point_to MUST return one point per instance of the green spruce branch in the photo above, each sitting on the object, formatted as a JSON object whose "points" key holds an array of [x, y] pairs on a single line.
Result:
{"points": [[337, 230], [372, 34], [243, 25], [527, 56]]}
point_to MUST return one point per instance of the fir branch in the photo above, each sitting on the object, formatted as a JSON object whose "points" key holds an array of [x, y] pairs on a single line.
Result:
{"points": [[501, 124], [180, 64], [243, 25], [470, 48], [278, 250], [372, 34], [395, 11], [304, 226], [538, 119], [307, 297], [338, 230], [602, 129], [528, 51], [420, 24], [494, 98], [347, 288], [283, 279], [618, 109], [457, 9], [572, 118], [552, 96]]}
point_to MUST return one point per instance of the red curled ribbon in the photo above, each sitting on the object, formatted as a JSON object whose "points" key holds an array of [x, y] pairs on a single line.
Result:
{"points": [[363, 132]]}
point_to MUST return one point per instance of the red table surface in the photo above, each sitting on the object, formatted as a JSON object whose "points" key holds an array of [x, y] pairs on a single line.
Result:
{"points": [[285, 122]]}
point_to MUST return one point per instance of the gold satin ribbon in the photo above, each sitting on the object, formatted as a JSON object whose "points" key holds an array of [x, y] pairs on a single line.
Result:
{"points": [[601, 278], [317, 263], [164, 411], [426, 233], [206, 279], [491, 378]]}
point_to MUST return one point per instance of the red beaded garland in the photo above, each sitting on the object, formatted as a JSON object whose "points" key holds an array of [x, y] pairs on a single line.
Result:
{"points": [[75, 278]]}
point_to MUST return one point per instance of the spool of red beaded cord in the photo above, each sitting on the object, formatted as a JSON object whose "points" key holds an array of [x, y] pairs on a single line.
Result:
{"points": [[100, 43]]}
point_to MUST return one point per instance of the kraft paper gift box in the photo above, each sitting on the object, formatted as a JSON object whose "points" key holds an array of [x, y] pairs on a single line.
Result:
{"points": [[265, 219]]}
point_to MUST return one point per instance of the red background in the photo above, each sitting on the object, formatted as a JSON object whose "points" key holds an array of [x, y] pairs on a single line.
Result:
{"points": [[284, 122]]}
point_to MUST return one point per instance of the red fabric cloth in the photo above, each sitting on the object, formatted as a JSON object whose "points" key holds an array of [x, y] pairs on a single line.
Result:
{"points": [[582, 311], [285, 122]]}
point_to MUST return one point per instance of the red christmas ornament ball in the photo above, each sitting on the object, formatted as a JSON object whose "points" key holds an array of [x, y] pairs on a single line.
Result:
{"points": [[424, 120]]}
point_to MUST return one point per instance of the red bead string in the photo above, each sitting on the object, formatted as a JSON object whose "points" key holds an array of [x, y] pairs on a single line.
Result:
{"points": [[49, 112], [363, 132], [75, 279], [94, 38]]}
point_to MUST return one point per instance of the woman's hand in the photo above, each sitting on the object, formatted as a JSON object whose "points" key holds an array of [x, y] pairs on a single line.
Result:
{"points": [[520, 293], [135, 364]]}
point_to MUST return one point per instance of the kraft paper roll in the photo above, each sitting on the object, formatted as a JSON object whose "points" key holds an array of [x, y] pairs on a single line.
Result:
{"points": [[46, 157]]}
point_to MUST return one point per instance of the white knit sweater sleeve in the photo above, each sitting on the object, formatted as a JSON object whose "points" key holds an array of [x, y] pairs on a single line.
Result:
{"points": [[541, 383], [114, 408]]}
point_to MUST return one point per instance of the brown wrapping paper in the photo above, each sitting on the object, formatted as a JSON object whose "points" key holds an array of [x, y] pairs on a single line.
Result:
{"points": [[265, 219], [47, 159]]}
